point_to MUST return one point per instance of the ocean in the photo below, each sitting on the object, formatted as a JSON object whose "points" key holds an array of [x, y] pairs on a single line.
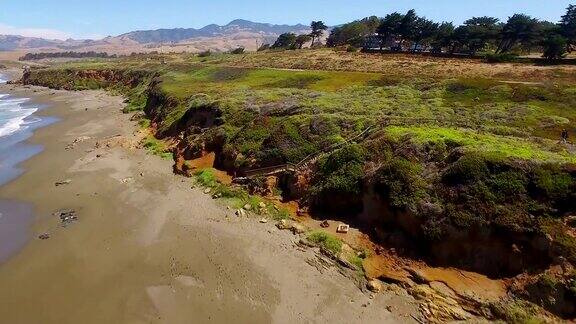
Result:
{"points": [[17, 122], [14, 114]]}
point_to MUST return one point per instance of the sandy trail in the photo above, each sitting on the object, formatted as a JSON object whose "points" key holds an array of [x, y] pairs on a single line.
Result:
{"points": [[148, 248]]}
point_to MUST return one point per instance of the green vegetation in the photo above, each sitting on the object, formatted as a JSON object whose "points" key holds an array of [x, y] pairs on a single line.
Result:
{"points": [[489, 145], [205, 53], [206, 178], [341, 172], [353, 33], [238, 50], [500, 40], [502, 57], [69, 54], [568, 25], [144, 123], [237, 198], [327, 241], [519, 312], [285, 41], [555, 183], [358, 262], [157, 147], [137, 97], [555, 47], [452, 151], [318, 29], [259, 117], [564, 242], [400, 180], [573, 284]]}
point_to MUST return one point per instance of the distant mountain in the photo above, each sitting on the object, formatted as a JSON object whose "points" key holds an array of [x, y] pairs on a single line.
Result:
{"points": [[11, 42], [177, 35], [213, 37], [15, 42]]}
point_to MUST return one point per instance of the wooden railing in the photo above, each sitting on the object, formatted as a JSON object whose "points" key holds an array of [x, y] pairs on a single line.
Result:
{"points": [[288, 167]]}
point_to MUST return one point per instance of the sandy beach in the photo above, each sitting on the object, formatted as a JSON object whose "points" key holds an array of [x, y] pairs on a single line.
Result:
{"points": [[148, 247]]}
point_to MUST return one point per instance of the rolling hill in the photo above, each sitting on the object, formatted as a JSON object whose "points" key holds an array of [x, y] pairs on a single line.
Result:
{"points": [[233, 28], [237, 33]]}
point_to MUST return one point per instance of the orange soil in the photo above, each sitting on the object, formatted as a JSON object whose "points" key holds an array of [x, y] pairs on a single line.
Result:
{"points": [[384, 263], [207, 162]]}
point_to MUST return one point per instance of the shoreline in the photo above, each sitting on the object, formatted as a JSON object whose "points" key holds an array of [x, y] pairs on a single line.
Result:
{"points": [[16, 147], [148, 248], [16, 217]]}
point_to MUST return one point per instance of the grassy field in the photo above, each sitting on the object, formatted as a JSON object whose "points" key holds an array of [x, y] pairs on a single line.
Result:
{"points": [[485, 107], [447, 132]]}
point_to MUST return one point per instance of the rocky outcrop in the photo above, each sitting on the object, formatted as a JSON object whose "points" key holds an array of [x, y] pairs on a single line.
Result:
{"points": [[295, 186], [438, 305]]}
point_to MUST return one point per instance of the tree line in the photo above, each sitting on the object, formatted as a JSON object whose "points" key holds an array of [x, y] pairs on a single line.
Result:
{"points": [[293, 41], [40, 56], [521, 33]]}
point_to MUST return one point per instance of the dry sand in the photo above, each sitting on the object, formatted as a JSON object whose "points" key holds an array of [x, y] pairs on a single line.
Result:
{"points": [[148, 248]]}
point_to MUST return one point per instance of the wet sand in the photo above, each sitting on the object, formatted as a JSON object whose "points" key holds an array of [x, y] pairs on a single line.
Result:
{"points": [[15, 220], [147, 247]]}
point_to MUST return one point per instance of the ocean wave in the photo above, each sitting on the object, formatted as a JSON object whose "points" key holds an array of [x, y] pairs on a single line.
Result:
{"points": [[14, 115]]}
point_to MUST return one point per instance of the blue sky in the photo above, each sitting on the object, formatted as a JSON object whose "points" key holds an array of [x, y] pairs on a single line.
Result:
{"points": [[99, 18]]}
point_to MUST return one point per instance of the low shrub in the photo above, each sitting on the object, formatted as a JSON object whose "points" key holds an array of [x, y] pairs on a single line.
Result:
{"points": [[517, 312], [433, 230], [341, 172], [239, 50], [263, 47], [205, 53], [357, 261], [206, 177], [301, 81], [523, 93], [564, 242], [501, 57], [469, 168], [401, 181], [552, 182], [327, 241], [157, 147], [144, 123], [463, 218], [466, 84], [279, 214], [285, 142], [478, 192], [508, 185]]}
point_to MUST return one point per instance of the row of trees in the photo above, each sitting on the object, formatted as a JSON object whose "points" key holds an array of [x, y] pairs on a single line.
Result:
{"points": [[40, 56], [521, 33], [293, 41]]}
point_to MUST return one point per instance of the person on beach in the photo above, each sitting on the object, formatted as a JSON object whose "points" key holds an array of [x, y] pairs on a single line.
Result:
{"points": [[564, 136]]}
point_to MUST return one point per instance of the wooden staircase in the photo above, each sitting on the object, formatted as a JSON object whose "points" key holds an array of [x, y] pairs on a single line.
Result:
{"points": [[310, 159]]}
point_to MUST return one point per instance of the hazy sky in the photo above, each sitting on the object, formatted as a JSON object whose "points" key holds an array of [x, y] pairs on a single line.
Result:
{"points": [[99, 18]]}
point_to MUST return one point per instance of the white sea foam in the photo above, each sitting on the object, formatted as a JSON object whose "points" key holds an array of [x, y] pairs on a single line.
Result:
{"points": [[13, 114]]}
